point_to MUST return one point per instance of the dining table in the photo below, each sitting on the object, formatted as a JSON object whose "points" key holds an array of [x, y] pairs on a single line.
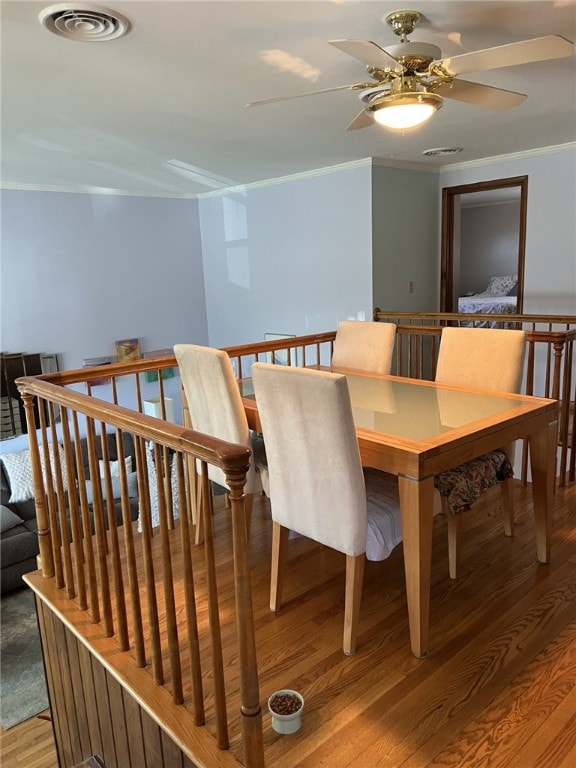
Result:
{"points": [[416, 429]]}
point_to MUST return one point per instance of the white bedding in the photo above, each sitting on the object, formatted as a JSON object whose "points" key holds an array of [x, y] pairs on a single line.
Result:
{"points": [[490, 305], [493, 305]]}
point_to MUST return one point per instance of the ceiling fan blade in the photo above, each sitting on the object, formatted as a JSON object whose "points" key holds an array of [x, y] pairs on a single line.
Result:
{"points": [[367, 52], [362, 120], [481, 95], [524, 52], [301, 95]]}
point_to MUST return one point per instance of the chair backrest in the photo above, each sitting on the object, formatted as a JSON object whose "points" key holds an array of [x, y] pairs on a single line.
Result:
{"points": [[490, 358], [214, 400], [316, 481], [364, 345]]}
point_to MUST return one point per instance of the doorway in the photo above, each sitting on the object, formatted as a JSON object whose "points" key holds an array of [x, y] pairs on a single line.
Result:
{"points": [[453, 199]]}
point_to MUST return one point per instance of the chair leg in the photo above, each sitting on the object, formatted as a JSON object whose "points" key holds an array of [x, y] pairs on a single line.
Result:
{"points": [[454, 523], [192, 482], [279, 549], [507, 492], [354, 579]]}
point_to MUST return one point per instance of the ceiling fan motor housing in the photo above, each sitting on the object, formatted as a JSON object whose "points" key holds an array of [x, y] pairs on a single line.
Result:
{"points": [[416, 57]]}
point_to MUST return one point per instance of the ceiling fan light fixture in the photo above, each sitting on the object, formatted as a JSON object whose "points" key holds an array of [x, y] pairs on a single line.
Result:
{"points": [[405, 110]]}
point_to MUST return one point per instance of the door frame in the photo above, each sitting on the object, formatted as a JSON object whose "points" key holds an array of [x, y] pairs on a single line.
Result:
{"points": [[449, 195]]}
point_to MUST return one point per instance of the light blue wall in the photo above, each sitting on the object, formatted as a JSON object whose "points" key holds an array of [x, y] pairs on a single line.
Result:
{"points": [[79, 271], [290, 258], [406, 216], [488, 244], [550, 267]]}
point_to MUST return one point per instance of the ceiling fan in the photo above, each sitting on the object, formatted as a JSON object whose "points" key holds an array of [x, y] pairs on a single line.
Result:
{"points": [[411, 81]]}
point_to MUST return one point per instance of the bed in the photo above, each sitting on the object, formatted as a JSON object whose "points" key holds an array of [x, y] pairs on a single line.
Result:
{"points": [[499, 298]]}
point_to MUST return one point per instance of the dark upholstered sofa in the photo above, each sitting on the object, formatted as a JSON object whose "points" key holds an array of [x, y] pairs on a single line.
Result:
{"points": [[18, 537]]}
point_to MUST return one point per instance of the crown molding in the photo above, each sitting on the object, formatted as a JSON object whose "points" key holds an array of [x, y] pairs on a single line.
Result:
{"points": [[239, 188], [84, 189], [365, 162], [538, 151], [243, 188]]}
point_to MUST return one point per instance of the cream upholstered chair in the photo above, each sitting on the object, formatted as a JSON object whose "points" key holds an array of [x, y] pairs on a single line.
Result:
{"points": [[215, 408], [317, 486], [366, 346], [493, 359]]}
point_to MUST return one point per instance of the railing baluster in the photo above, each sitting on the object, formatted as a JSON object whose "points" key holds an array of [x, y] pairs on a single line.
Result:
{"points": [[213, 612], [74, 517], [149, 578], [163, 467], [117, 578], [56, 507], [190, 597], [42, 518], [93, 600], [572, 433], [100, 531], [76, 484], [130, 552]]}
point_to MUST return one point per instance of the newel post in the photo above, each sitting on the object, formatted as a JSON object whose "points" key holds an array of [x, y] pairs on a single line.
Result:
{"points": [[42, 519], [251, 711]]}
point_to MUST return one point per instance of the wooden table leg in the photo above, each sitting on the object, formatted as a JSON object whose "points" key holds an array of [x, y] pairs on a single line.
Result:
{"points": [[416, 499], [543, 464]]}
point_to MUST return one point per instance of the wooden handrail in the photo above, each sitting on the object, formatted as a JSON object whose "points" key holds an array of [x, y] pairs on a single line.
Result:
{"points": [[230, 457], [445, 318]]}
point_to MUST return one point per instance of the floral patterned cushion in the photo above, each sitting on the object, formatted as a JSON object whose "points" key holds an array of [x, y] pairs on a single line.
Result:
{"points": [[463, 485]]}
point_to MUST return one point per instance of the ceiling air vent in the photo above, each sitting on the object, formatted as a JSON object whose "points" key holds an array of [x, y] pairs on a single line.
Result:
{"points": [[442, 151], [86, 24]]}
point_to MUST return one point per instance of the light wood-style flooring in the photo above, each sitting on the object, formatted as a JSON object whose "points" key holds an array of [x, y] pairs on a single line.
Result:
{"points": [[498, 689]]}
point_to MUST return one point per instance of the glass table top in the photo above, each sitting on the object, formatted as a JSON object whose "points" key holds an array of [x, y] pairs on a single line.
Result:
{"points": [[414, 411]]}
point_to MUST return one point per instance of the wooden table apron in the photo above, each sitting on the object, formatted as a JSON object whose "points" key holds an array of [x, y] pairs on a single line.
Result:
{"points": [[415, 462]]}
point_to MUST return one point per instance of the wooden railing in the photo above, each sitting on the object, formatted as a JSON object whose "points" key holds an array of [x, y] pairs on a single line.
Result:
{"points": [[313, 349], [135, 582], [109, 572], [550, 369]]}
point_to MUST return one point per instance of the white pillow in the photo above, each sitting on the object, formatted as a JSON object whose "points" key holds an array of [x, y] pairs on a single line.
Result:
{"points": [[501, 286], [19, 470], [114, 471]]}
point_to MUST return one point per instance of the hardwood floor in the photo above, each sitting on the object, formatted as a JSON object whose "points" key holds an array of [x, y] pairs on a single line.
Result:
{"points": [[498, 689], [29, 745]]}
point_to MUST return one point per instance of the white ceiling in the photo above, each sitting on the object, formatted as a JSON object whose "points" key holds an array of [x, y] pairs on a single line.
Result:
{"points": [[151, 112]]}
